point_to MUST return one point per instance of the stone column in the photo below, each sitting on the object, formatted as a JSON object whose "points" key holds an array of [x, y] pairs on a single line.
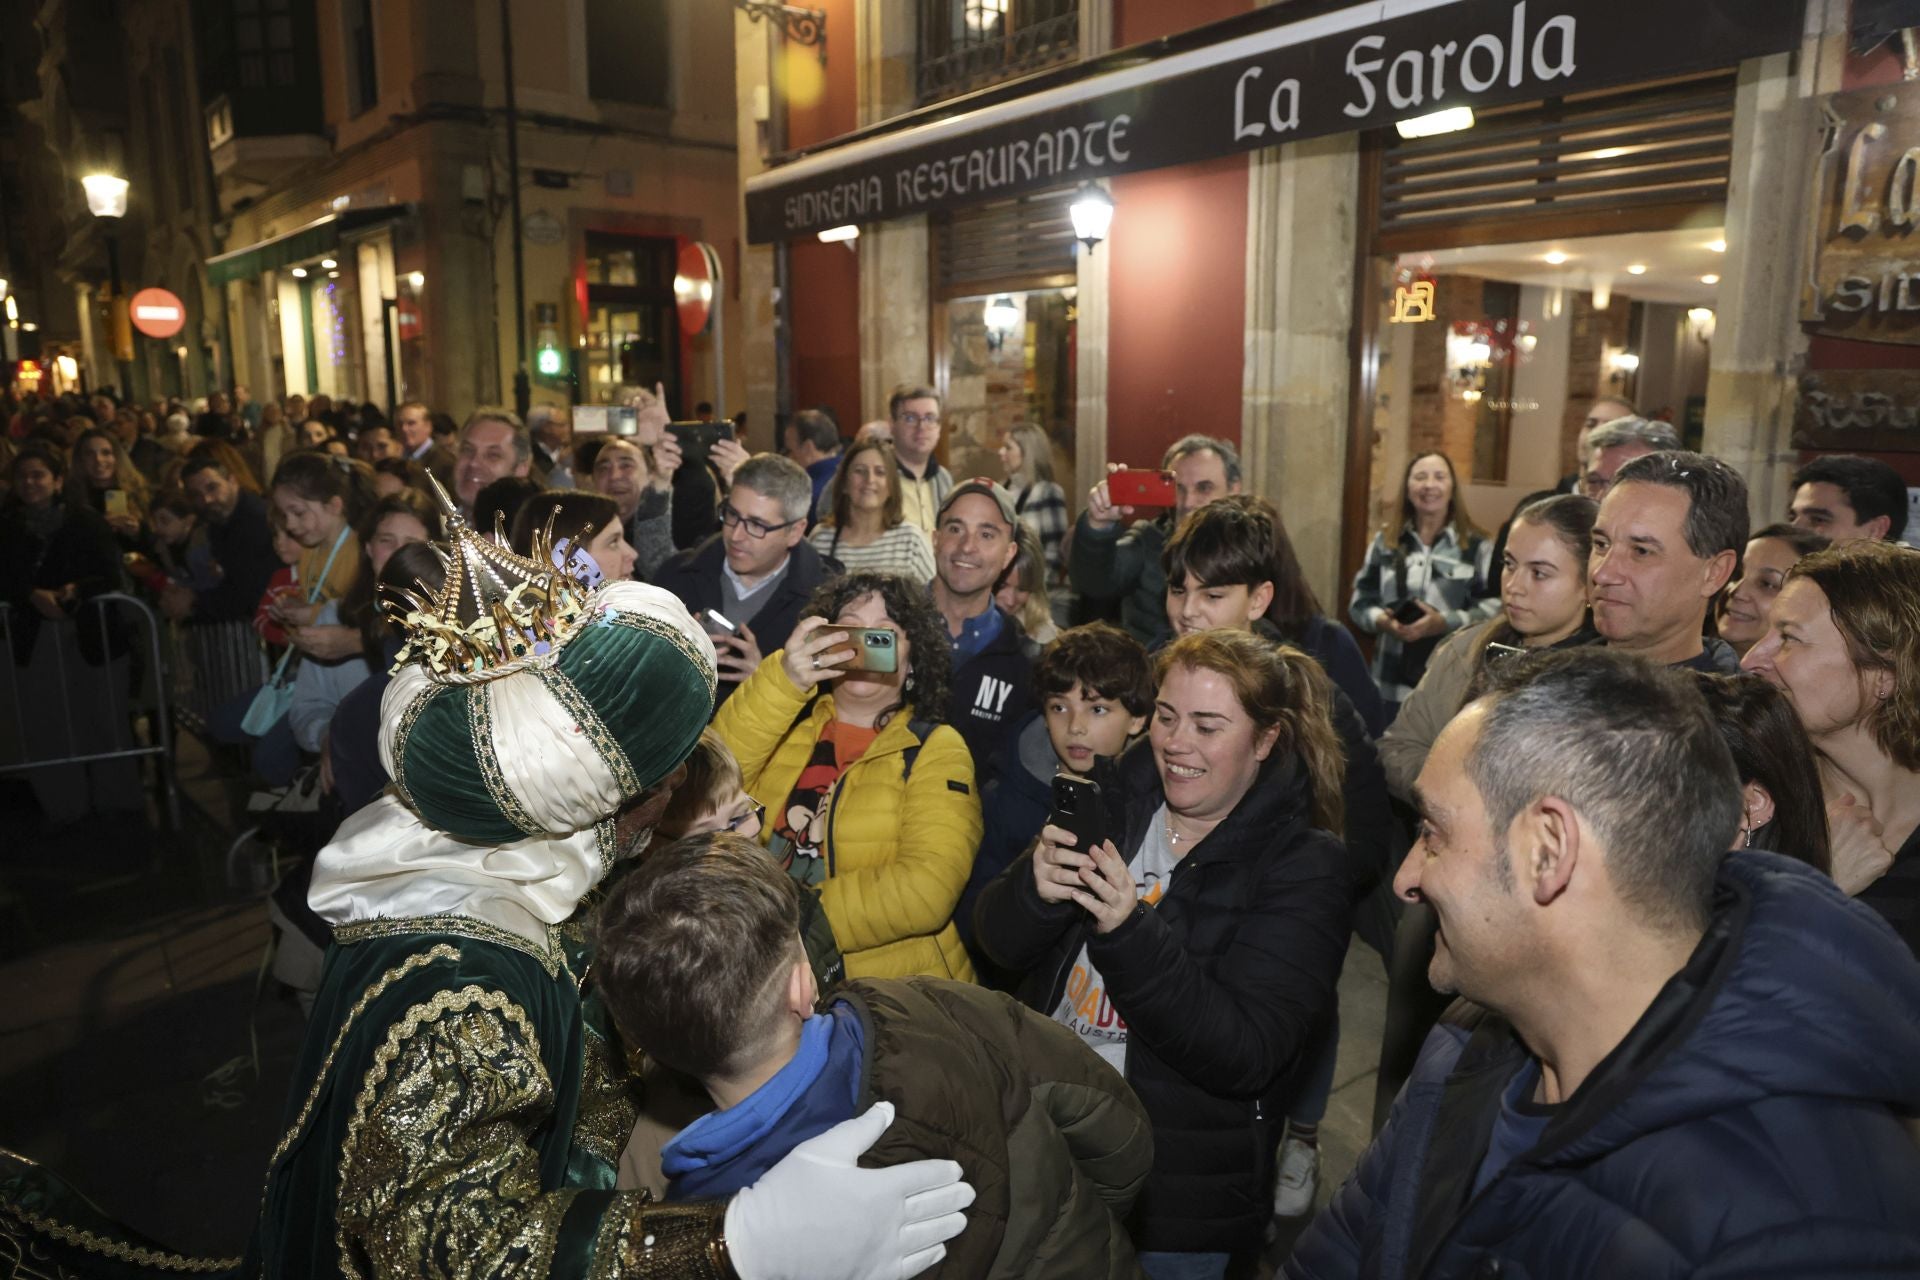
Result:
{"points": [[1302, 225], [756, 315], [1759, 348], [896, 301], [1090, 307]]}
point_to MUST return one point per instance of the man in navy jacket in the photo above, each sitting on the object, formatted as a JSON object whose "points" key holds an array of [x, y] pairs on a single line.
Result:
{"points": [[1682, 1062]]}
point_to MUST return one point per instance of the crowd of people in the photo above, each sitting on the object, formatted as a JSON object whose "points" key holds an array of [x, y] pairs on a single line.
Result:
{"points": [[1052, 832]]}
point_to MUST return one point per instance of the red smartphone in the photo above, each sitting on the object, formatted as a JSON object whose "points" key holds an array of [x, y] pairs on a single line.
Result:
{"points": [[1141, 489]]}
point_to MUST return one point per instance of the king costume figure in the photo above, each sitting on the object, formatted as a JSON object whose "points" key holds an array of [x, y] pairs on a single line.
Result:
{"points": [[460, 1103]]}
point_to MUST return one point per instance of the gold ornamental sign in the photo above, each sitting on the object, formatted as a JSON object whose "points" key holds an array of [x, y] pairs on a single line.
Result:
{"points": [[1864, 269]]}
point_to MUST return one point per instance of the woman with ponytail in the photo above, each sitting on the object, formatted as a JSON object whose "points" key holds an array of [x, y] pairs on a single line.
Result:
{"points": [[1201, 962], [320, 498]]}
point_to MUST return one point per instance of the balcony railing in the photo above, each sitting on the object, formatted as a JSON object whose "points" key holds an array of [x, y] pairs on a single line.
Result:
{"points": [[967, 44]]}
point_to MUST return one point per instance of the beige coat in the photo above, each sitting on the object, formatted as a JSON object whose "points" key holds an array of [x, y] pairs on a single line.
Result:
{"points": [[1441, 693]]}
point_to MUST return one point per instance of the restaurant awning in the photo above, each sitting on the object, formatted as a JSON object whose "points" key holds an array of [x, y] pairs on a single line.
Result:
{"points": [[1363, 66], [302, 244]]}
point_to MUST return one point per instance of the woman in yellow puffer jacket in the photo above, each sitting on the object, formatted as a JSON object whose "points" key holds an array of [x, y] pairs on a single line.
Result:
{"points": [[868, 796]]}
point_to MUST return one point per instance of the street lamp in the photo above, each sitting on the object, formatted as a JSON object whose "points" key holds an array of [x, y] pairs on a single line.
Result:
{"points": [[107, 200], [1092, 214]]}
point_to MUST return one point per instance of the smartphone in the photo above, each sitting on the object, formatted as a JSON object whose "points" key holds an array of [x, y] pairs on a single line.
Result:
{"points": [[1141, 489], [874, 649], [116, 502], [698, 438], [623, 420], [1406, 612], [1078, 807], [1497, 652], [719, 623]]}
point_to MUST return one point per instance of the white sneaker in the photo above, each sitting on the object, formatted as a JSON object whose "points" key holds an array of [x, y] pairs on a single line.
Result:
{"points": [[1299, 1179]]}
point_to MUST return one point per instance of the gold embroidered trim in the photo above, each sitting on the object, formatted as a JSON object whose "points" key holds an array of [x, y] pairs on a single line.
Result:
{"points": [[605, 838], [594, 729], [118, 1250], [480, 726], [401, 733], [443, 1003], [440, 951], [549, 956], [672, 635]]}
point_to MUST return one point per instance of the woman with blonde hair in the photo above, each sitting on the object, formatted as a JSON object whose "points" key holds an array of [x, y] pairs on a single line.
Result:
{"points": [[1041, 504], [1843, 645], [1201, 962], [867, 530], [104, 480]]}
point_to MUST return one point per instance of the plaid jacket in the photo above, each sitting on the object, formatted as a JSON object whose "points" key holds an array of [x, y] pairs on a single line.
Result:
{"points": [[1043, 508], [1450, 576]]}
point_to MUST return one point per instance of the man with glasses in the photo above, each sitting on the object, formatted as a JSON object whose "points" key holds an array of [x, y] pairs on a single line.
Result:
{"points": [[757, 572], [924, 483], [1612, 445]]}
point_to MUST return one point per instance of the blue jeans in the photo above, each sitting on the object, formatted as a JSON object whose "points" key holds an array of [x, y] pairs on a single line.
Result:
{"points": [[1310, 1104], [1184, 1266]]}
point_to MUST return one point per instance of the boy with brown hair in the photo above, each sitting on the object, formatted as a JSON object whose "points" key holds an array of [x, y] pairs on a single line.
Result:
{"points": [[701, 965]]}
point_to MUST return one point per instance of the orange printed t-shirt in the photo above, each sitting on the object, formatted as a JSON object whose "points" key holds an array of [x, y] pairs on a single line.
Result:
{"points": [[800, 828]]}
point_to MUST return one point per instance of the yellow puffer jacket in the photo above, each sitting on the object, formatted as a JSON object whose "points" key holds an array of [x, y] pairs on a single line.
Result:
{"points": [[898, 850]]}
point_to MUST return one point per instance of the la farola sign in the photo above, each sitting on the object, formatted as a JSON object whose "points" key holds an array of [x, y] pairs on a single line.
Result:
{"points": [[1360, 67]]}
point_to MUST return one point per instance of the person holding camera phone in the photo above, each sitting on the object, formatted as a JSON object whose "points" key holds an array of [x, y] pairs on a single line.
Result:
{"points": [[869, 794], [1202, 961], [1105, 562], [753, 577], [1425, 576]]}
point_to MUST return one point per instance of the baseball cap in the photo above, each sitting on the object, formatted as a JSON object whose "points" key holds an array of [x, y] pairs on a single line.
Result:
{"points": [[987, 489]]}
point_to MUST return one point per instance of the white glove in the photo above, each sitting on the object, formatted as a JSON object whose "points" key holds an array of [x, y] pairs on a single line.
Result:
{"points": [[817, 1216]]}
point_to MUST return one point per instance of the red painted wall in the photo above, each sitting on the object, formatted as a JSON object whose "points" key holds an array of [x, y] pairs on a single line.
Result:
{"points": [[1176, 313], [824, 279]]}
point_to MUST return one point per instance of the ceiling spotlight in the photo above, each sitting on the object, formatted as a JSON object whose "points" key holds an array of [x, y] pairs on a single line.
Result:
{"points": [[333, 275], [417, 279], [299, 273], [834, 235], [1555, 258], [1718, 246], [1637, 269], [328, 264], [1709, 278]]}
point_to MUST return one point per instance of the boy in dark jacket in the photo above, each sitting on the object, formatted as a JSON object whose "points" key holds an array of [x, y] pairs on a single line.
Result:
{"points": [[702, 968], [1094, 685]]}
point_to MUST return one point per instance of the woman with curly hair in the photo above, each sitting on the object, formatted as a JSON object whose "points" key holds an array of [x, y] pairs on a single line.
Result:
{"points": [[870, 798], [1843, 645]]}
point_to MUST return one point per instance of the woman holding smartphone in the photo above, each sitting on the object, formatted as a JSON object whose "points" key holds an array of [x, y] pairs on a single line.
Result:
{"points": [[1197, 948], [870, 797], [1426, 576]]}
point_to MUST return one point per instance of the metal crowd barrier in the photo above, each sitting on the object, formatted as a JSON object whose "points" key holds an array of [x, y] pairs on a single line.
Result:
{"points": [[64, 710], [213, 664]]}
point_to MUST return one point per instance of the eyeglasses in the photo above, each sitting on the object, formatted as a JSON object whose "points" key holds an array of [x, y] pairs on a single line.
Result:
{"points": [[917, 419], [755, 817], [755, 527]]}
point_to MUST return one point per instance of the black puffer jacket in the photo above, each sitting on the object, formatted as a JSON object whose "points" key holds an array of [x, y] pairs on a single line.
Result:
{"points": [[1222, 986]]}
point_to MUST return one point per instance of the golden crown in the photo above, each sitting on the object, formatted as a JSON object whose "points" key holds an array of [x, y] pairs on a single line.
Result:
{"points": [[497, 612]]}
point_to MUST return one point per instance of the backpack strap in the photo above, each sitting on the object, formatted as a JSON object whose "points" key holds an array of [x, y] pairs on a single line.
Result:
{"points": [[920, 729]]}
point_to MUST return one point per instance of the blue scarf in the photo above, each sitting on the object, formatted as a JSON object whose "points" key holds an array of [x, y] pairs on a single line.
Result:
{"points": [[723, 1151]]}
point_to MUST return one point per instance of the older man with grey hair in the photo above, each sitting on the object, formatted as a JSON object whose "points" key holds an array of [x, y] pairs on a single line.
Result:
{"points": [[551, 427], [748, 583], [1612, 445]]}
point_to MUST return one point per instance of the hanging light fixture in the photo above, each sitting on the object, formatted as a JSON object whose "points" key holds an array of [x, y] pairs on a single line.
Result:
{"points": [[1002, 317], [106, 195], [1092, 214]]}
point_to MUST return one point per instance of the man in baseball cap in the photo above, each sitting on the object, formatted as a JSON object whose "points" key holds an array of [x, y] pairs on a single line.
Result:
{"points": [[975, 542]]}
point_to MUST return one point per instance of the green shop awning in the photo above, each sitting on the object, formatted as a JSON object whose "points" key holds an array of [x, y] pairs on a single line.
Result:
{"points": [[302, 244]]}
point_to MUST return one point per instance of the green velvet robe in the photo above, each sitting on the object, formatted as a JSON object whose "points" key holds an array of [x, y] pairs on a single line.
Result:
{"points": [[458, 1110]]}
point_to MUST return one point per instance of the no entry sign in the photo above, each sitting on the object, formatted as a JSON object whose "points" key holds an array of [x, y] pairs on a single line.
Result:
{"points": [[157, 313]]}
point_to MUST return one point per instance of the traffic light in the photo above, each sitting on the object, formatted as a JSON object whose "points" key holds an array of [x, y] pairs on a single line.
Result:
{"points": [[549, 355]]}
